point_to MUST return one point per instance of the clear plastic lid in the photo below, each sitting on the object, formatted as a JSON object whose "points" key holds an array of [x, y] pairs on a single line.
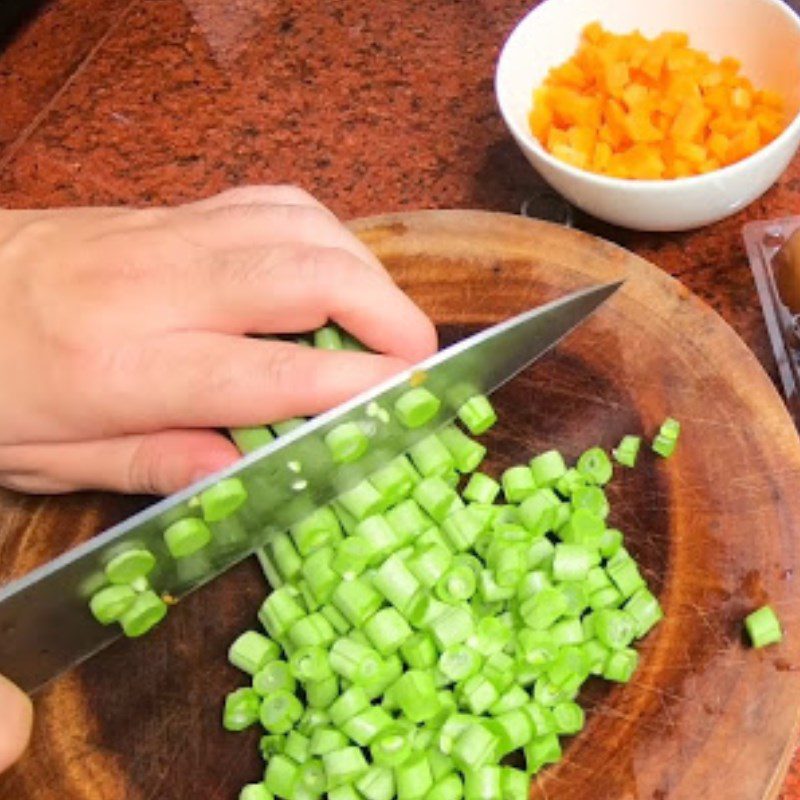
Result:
{"points": [[763, 241]]}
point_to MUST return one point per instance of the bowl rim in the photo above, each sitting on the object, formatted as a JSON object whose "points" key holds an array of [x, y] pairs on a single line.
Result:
{"points": [[523, 134]]}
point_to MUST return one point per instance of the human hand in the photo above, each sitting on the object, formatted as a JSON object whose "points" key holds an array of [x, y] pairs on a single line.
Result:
{"points": [[16, 717], [123, 334]]}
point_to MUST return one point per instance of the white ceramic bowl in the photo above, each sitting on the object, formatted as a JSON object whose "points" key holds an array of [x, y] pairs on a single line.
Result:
{"points": [[763, 34]]}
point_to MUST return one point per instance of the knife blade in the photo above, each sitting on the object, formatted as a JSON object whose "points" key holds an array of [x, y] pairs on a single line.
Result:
{"points": [[45, 623]]}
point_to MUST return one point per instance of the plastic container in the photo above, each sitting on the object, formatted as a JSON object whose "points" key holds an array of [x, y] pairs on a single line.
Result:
{"points": [[763, 241]]}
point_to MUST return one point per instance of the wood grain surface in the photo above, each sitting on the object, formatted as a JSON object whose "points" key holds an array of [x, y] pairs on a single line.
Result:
{"points": [[715, 528]]}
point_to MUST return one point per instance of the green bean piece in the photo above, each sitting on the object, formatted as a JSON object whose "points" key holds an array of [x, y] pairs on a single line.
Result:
{"points": [[250, 439], [763, 627], [252, 651], [280, 711], [344, 766], [518, 484], [222, 499], [241, 710], [129, 565], [477, 415], [255, 791], [481, 488], [280, 776], [467, 453], [274, 676], [548, 468], [627, 451], [186, 537], [328, 338], [347, 442], [417, 407], [377, 783], [110, 603], [146, 611], [595, 466]]}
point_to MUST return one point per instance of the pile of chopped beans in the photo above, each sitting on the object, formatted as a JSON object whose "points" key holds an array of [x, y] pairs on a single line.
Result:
{"points": [[429, 631]]}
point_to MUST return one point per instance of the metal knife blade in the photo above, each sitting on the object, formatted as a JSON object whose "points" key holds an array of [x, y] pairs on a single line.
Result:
{"points": [[45, 623]]}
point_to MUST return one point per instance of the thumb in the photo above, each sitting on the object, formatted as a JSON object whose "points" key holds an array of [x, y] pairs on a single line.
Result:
{"points": [[16, 718], [156, 463]]}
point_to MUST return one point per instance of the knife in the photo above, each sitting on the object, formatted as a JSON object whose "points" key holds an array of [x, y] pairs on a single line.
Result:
{"points": [[45, 623]]}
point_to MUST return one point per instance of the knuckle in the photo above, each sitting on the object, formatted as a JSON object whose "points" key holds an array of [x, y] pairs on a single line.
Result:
{"points": [[248, 268], [278, 365], [146, 469], [240, 194], [20, 471], [265, 195], [330, 267], [289, 192]]}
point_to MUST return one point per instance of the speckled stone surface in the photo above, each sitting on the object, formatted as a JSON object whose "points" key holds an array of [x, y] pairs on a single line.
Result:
{"points": [[45, 55], [373, 107]]}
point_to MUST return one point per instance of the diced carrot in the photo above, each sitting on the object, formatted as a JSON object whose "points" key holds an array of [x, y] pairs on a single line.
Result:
{"points": [[593, 32], [691, 152], [771, 99], [571, 156], [636, 95], [689, 122], [713, 77], [643, 161], [556, 138], [718, 145], [745, 142], [582, 139], [633, 107], [540, 119], [614, 115], [770, 123], [640, 127], [569, 74], [601, 157], [717, 98], [616, 77], [611, 137], [730, 65], [741, 98], [683, 169], [571, 108], [654, 60]]}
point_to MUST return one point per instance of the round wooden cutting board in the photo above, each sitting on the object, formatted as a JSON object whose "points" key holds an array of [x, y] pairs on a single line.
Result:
{"points": [[716, 529]]}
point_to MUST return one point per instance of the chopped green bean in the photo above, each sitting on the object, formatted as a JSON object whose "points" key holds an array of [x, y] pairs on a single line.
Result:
{"points": [[477, 414], [130, 565], [241, 710], [627, 451], [252, 651], [417, 407], [763, 627], [548, 468], [222, 499], [146, 611], [186, 536], [110, 603], [347, 442]]}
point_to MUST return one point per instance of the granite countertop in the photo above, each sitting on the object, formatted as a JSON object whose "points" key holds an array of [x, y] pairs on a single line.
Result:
{"points": [[372, 107]]}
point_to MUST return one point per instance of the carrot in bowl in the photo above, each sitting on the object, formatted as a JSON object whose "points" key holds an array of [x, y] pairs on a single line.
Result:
{"points": [[632, 107]]}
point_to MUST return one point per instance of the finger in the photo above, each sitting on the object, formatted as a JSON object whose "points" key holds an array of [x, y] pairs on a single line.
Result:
{"points": [[158, 463], [260, 194], [263, 225], [291, 289], [16, 720], [204, 380]]}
